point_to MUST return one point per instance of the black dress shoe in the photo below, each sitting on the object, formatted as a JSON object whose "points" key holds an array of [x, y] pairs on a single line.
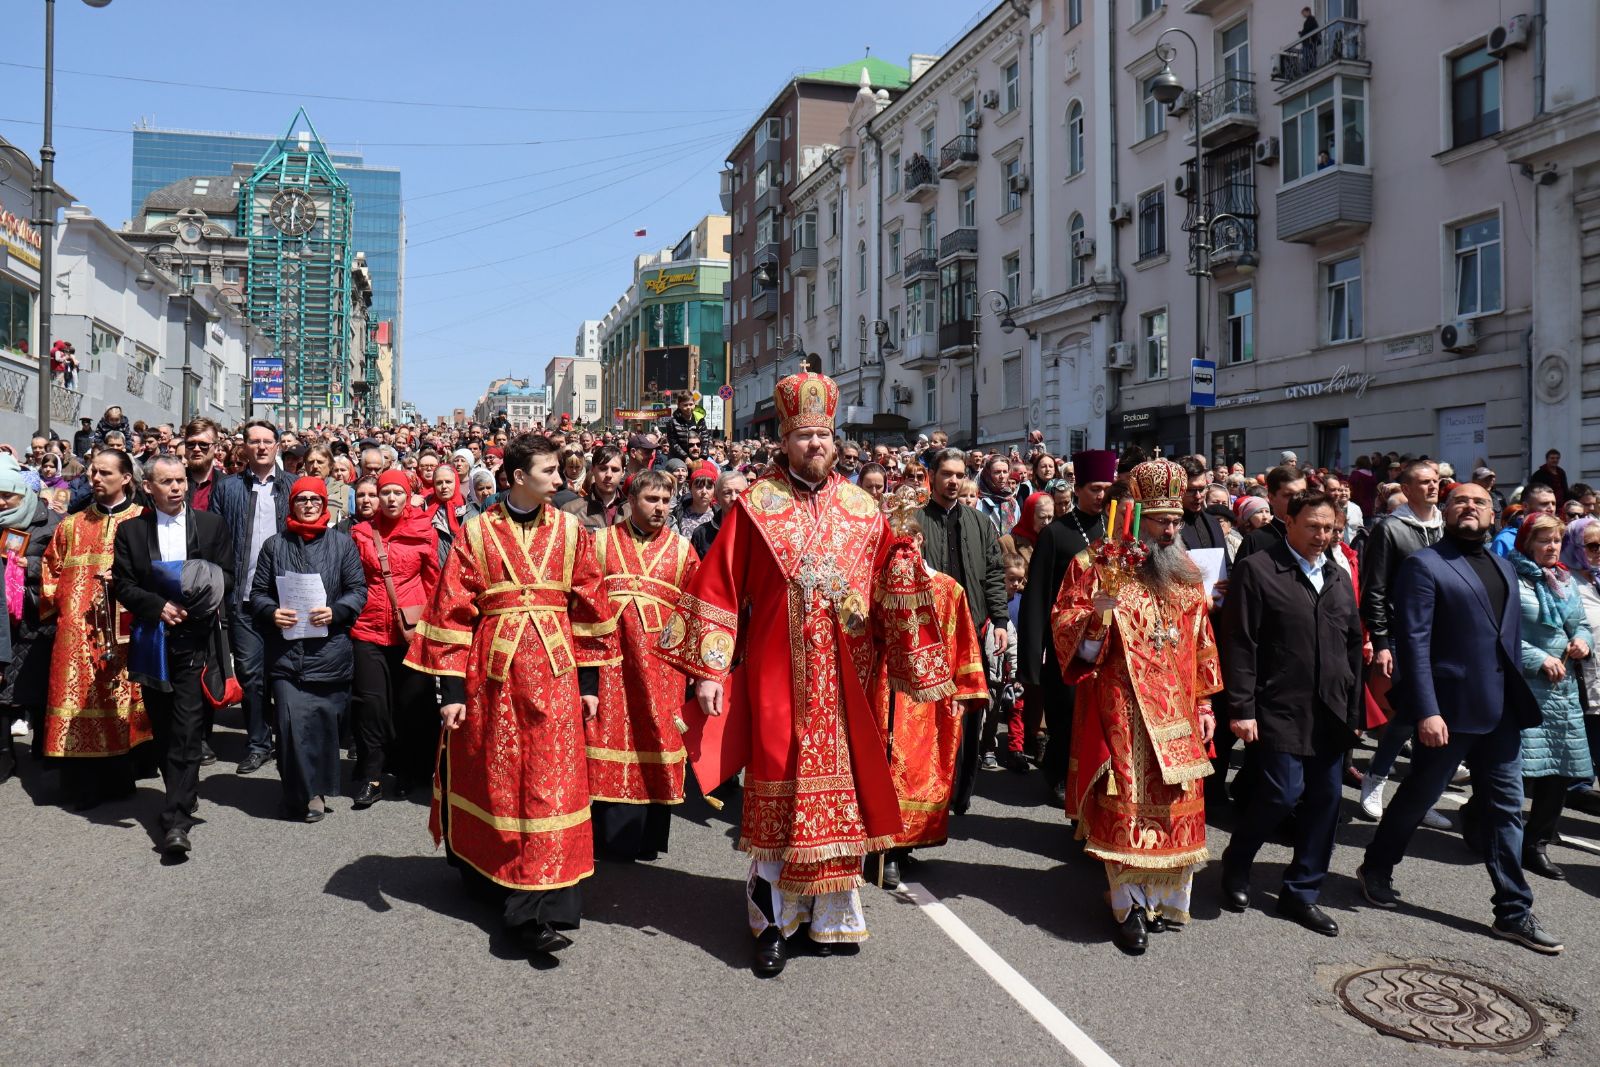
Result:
{"points": [[175, 843], [771, 954], [370, 794], [207, 757], [1235, 895], [541, 937], [891, 871], [1133, 934], [253, 762], [1310, 916], [1535, 861]]}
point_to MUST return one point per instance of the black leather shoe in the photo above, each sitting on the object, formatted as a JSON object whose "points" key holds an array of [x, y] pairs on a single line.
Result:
{"points": [[207, 757], [1534, 861], [1133, 935], [771, 954], [175, 843], [1235, 895], [891, 871], [1310, 916], [253, 762], [370, 794], [1527, 932], [541, 937]]}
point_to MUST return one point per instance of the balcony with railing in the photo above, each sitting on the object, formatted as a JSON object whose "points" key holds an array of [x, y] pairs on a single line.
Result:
{"points": [[767, 252], [921, 183], [764, 305], [1225, 109], [803, 258], [770, 200], [955, 338], [1341, 41], [920, 351], [920, 264], [959, 244], [136, 379], [958, 155]]}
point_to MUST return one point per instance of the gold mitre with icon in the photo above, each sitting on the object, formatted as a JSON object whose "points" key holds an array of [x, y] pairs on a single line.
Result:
{"points": [[805, 401], [1158, 485]]}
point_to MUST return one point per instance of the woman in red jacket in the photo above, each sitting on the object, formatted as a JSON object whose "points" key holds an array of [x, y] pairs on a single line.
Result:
{"points": [[396, 709]]}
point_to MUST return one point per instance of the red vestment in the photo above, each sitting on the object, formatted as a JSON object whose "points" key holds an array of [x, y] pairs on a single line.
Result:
{"points": [[927, 733], [811, 569], [503, 617], [1137, 758], [636, 753], [91, 707]]}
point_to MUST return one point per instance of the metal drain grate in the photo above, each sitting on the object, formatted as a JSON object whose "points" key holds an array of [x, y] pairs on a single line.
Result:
{"points": [[1442, 1008]]}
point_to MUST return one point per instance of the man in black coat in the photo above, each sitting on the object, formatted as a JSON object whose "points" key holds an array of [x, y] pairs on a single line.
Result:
{"points": [[170, 531], [1054, 550], [1290, 646]]}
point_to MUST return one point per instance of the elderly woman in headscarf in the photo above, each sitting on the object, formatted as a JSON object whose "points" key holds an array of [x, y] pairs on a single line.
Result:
{"points": [[310, 675], [483, 490], [447, 509], [1580, 554], [996, 498], [1555, 638], [26, 526], [463, 461], [1038, 512]]}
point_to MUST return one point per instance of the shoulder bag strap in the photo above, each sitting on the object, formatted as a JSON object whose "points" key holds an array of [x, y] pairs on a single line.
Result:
{"points": [[383, 565]]}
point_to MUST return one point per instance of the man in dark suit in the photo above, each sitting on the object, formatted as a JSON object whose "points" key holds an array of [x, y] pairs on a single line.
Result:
{"points": [[1290, 646], [1282, 484], [1458, 637], [1200, 530], [173, 531], [1057, 545]]}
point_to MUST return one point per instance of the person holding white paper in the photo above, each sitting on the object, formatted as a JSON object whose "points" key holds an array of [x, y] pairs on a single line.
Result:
{"points": [[309, 589]]}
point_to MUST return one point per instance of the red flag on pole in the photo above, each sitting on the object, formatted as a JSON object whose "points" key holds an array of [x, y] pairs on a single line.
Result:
{"points": [[638, 233]]}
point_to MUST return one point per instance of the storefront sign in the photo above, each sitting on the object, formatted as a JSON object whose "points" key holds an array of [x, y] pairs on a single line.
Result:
{"points": [[1238, 400], [640, 414], [266, 380], [1417, 344], [1138, 420], [21, 238], [1343, 380], [670, 280]]}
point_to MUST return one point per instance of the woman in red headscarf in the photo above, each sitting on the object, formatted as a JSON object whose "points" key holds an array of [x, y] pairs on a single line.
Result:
{"points": [[1038, 512], [310, 673], [396, 715], [447, 508]]}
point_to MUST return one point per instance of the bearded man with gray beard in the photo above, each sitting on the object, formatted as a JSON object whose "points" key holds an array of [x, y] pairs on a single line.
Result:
{"points": [[1136, 641]]}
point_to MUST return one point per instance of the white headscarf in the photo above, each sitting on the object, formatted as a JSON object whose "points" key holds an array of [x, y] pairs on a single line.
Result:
{"points": [[13, 480]]}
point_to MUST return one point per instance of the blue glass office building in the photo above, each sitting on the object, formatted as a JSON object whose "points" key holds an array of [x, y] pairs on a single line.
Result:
{"points": [[161, 157]]}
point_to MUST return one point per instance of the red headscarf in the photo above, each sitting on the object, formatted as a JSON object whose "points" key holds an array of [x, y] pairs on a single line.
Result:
{"points": [[455, 504], [308, 531], [1023, 530], [408, 517]]}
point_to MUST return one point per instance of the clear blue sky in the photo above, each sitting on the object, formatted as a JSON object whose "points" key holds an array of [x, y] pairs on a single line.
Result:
{"points": [[644, 101]]}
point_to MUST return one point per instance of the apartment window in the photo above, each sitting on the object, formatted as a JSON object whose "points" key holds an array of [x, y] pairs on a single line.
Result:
{"points": [[1239, 313], [1011, 381], [1153, 333], [769, 130], [928, 149], [219, 372], [958, 292], [1075, 138], [1477, 261], [894, 172], [1010, 78], [1342, 295], [930, 398], [765, 228], [591, 381], [1153, 223], [805, 230], [861, 266], [930, 231], [1011, 267], [1152, 115], [894, 252], [833, 218], [232, 274], [920, 308], [833, 287], [1143, 9], [1074, 13], [144, 358], [103, 342], [861, 167], [763, 178], [861, 340], [1010, 198], [591, 407], [1324, 126], [1474, 97], [1234, 43], [1075, 262], [969, 112], [967, 206], [894, 325], [811, 300]]}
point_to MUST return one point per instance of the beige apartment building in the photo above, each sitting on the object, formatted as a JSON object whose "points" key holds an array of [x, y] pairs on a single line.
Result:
{"points": [[1020, 223]]}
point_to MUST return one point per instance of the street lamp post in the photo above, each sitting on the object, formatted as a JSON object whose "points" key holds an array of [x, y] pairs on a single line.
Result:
{"points": [[1000, 304], [44, 196], [147, 281]]}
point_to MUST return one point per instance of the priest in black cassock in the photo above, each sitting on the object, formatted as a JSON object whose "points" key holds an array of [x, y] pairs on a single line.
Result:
{"points": [[1037, 667]]}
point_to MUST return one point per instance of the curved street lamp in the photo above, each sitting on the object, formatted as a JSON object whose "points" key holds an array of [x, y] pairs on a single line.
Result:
{"points": [[146, 281]]}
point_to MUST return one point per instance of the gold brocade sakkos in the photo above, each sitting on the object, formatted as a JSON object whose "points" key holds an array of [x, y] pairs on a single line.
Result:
{"points": [[92, 709], [1133, 782], [504, 615], [635, 750]]}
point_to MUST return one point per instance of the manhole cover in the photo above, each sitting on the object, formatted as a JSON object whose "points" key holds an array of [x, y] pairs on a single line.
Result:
{"points": [[1442, 1008]]}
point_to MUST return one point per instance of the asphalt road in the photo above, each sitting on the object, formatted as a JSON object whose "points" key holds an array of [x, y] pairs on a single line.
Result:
{"points": [[351, 941]]}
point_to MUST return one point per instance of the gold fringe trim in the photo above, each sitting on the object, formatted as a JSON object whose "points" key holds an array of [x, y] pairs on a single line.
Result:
{"points": [[816, 853], [906, 601], [1149, 861], [1169, 877], [827, 885], [1170, 732], [927, 695], [1192, 772]]}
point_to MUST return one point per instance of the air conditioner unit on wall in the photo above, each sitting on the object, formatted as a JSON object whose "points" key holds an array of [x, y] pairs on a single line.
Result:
{"points": [[1083, 248], [1120, 213], [1119, 356], [1018, 183], [1514, 34], [901, 393], [1459, 336], [1180, 107], [1267, 150], [991, 99], [1183, 184]]}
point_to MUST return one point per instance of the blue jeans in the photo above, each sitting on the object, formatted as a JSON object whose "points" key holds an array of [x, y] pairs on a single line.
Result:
{"points": [[1495, 760], [249, 663], [1395, 736], [1282, 782]]}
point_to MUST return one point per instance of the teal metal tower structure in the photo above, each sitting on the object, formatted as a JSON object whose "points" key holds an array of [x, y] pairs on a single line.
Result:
{"points": [[296, 212]]}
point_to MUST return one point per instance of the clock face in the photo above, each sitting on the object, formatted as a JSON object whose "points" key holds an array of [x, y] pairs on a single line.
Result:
{"points": [[293, 212], [191, 233]]}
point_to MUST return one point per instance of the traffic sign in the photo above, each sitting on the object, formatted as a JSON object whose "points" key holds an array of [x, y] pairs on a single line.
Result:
{"points": [[1202, 383]]}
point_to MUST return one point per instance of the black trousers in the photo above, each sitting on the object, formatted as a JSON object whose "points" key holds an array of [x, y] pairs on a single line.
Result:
{"points": [[396, 715], [1058, 698], [630, 831], [968, 757], [1548, 796], [1284, 781], [177, 719]]}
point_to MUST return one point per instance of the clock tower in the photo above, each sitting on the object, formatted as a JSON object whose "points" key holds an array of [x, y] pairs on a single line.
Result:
{"points": [[296, 211]]}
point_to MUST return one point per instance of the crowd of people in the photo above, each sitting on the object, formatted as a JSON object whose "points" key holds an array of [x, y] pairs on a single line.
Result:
{"points": [[550, 628]]}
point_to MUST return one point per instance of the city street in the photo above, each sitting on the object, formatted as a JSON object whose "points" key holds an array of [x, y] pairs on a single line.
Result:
{"points": [[351, 941]]}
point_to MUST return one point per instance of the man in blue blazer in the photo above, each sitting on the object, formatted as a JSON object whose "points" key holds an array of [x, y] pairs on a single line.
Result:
{"points": [[1457, 640]]}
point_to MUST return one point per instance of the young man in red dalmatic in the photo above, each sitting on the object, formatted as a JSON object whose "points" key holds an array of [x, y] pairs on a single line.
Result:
{"points": [[636, 753], [511, 801], [828, 589]]}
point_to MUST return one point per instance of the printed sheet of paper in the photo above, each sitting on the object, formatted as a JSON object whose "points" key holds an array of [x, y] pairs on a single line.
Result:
{"points": [[300, 593], [1213, 562]]}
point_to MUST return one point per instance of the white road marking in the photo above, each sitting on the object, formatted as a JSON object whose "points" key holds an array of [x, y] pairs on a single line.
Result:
{"points": [[1074, 1040], [1580, 842]]}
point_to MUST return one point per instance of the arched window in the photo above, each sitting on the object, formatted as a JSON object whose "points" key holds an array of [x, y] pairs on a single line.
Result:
{"points": [[1075, 138], [1074, 261], [861, 266], [861, 338]]}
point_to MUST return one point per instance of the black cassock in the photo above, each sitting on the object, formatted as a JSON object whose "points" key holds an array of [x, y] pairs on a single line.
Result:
{"points": [[1058, 544]]}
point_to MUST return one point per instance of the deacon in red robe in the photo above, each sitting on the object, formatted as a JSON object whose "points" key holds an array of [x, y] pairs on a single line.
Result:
{"points": [[1135, 637], [511, 799], [784, 699], [636, 752]]}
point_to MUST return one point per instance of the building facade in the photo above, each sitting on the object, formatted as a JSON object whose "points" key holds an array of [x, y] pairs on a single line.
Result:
{"points": [[572, 386], [587, 343]]}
